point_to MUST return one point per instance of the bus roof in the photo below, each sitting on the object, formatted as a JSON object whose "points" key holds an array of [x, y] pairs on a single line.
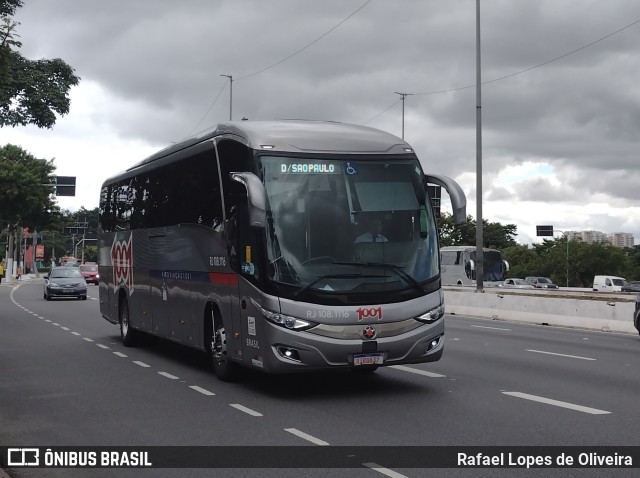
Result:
{"points": [[297, 136]]}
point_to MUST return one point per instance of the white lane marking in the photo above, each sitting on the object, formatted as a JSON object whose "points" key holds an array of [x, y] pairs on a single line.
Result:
{"points": [[103, 346], [168, 375], [557, 403], [55, 323], [417, 371], [244, 409], [87, 339], [47, 320], [384, 471], [306, 436], [142, 364], [559, 355], [492, 328], [76, 333], [120, 354], [203, 391], [65, 328]]}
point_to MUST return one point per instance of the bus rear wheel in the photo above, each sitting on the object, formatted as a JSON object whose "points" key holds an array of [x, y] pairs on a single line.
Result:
{"points": [[225, 369]]}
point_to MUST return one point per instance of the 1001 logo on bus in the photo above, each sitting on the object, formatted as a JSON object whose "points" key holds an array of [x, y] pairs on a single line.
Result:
{"points": [[122, 260], [369, 313]]}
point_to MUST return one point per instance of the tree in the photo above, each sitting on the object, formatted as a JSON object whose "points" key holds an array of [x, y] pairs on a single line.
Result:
{"points": [[495, 235], [31, 91], [23, 198]]}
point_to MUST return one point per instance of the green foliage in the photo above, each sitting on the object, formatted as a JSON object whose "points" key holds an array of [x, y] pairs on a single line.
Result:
{"points": [[23, 198], [494, 235], [31, 91]]}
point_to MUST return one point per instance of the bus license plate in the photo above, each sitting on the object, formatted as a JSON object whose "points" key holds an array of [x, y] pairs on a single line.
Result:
{"points": [[368, 359]]}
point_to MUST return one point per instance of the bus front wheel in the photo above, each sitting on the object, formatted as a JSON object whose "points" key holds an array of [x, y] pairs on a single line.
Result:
{"points": [[127, 332], [225, 369]]}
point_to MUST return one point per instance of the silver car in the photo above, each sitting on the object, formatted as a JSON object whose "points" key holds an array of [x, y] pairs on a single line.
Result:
{"points": [[65, 282], [515, 283]]}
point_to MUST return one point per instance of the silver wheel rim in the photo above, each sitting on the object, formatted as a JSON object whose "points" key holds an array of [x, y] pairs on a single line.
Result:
{"points": [[219, 346]]}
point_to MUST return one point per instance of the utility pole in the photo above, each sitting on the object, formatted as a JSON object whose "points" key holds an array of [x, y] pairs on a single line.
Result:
{"points": [[403, 96], [230, 96]]}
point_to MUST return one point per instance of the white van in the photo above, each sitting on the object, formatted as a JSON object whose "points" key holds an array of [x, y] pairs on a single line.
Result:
{"points": [[608, 283]]}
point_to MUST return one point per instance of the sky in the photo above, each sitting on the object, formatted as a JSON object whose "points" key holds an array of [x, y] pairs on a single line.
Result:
{"points": [[560, 95]]}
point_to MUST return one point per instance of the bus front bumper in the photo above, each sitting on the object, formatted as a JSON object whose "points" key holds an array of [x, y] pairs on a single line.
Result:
{"points": [[292, 351]]}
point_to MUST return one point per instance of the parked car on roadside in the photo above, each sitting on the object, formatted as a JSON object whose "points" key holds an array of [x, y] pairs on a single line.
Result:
{"points": [[90, 273], [633, 286], [65, 282], [515, 283], [541, 282]]}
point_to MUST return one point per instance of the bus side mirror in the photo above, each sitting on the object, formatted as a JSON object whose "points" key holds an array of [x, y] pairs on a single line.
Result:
{"points": [[456, 194], [256, 197], [506, 265]]}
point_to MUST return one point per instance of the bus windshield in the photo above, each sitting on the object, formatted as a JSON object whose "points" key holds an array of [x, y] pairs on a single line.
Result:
{"points": [[348, 226]]}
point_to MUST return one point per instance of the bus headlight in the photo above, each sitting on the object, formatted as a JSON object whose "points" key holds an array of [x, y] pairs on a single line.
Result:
{"points": [[432, 315], [286, 321]]}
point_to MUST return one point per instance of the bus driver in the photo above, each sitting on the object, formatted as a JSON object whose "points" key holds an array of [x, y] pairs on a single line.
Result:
{"points": [[373, 233]]}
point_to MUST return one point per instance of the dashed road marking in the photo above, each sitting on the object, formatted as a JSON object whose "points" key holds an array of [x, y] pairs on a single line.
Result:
{"points": [[142, 364], [203, 391], [557, 403], [306, 436], [87, 339], [417, 371], [120, 354], [384, 471], [103, 346], [168, 375], [560, 355], [247, 410]]}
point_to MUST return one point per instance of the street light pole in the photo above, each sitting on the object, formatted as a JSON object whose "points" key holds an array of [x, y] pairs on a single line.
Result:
{"points": [[566, 237], [230, 95], [479, 223], [403, 96]]}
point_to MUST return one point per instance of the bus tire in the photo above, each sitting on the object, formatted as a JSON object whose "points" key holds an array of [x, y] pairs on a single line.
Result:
{"points": [[224, 368], [127, 333]]}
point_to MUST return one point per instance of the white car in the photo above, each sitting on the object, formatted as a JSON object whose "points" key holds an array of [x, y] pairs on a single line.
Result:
{"points": [[515, 283]]}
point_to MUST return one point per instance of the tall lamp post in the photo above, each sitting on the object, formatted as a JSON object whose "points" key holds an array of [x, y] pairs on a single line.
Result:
{"points": [[230, 95], [566, 238], [403, 96]]}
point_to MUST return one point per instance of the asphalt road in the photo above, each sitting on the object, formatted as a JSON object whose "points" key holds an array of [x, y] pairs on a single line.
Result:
{"points": [[66, 379]]}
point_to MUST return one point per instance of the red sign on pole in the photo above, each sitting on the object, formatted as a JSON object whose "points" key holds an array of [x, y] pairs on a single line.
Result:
{"points": [[39, 251]]}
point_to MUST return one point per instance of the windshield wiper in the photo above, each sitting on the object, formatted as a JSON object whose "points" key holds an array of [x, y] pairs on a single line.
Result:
{"points": [[331, 276], [397, 269]]}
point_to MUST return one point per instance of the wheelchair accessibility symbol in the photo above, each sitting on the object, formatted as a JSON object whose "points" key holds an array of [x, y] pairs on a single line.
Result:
{"points": [[351, 169]]}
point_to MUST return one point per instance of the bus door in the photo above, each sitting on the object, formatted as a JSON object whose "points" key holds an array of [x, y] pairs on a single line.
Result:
{"points": [[247, 323]]}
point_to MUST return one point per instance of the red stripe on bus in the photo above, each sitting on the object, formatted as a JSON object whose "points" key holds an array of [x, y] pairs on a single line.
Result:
{"points": [[223, 278]]}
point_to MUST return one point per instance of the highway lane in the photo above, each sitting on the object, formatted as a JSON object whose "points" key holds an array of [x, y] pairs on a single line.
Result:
{"points": [[498, 384]]}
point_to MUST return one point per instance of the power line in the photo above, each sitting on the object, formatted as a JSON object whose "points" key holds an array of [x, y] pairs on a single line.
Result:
{"points": [[208, 110], [306, 46], [277, 63], [382, 112], [510, 75]]}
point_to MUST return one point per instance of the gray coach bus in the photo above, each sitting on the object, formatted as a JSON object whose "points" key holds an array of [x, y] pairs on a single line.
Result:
{"points": [[458, 266], [249, 241]]}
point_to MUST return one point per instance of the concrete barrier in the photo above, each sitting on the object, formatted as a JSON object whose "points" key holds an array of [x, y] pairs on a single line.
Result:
{"points": [[589, 310]]}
